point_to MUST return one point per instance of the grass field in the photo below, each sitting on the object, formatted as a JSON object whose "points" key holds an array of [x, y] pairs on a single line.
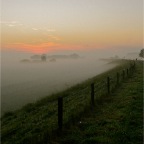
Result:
{"points": [[116, 117]]}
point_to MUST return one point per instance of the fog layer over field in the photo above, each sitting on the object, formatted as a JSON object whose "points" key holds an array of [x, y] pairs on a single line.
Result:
{"points": [[22, 83]]}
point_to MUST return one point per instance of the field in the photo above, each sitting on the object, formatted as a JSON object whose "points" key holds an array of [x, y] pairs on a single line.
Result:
{"points": [[117, 110], [116, 118]]}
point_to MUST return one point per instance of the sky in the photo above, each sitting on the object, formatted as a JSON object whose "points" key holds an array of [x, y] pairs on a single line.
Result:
{"points": [[42, 26]]}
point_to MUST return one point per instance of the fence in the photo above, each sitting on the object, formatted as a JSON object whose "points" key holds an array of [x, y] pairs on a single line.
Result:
{"points": [[97, 88]]}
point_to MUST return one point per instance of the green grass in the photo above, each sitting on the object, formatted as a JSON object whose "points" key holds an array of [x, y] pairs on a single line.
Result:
{"points": [[37, 122], [116, 119]]}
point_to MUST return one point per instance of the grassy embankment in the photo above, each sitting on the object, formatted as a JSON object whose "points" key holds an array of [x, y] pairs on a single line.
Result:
{"points": [[37, 122], [115, 119]]}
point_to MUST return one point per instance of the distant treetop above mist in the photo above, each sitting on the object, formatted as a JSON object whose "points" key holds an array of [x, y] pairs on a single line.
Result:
{"points": [[50, 58], [141, 54], [71, 56]]}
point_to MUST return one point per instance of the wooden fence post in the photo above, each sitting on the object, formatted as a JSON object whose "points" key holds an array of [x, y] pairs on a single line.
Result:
{"points": [[123, 74], [130, 69], [92, 94], [117, 78], [134, 64], [60, 112], [127, 72], [108, 84]]}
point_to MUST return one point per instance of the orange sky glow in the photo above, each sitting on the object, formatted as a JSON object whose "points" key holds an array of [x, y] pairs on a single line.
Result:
{"points": [[49, 26], [42, 48]]}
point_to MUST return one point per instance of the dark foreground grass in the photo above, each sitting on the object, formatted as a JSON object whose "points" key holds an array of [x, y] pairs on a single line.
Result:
{"points": [[107, 122], [116, 118]]}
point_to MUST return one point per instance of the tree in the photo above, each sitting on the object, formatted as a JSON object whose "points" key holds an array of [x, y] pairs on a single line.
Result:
{"points": [[43, 57], [141, 54]]}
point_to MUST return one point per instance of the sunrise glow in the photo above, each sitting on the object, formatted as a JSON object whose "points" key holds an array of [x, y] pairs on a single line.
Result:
{"points": [[55, 26]]}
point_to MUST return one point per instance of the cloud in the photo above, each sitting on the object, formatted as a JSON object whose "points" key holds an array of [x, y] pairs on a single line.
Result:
{"points": [[11, 23], [54, 37], [35, 29], [4, 22], [50, 30], [14, 22], [44, 29], [17, 23]]}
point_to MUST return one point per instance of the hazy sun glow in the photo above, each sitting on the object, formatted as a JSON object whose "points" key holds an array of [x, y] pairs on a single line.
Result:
{"points": [[42, 48], [44, 26]]}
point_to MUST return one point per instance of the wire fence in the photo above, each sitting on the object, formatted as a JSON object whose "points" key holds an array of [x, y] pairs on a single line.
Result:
{"points": [[77, 102]]}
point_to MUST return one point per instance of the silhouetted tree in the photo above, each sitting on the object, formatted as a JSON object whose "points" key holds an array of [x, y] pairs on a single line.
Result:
{"points": [[43, 57], [141, 54]]}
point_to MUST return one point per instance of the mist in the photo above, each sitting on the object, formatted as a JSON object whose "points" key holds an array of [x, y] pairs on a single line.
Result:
{"points": [[22, 83]]}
